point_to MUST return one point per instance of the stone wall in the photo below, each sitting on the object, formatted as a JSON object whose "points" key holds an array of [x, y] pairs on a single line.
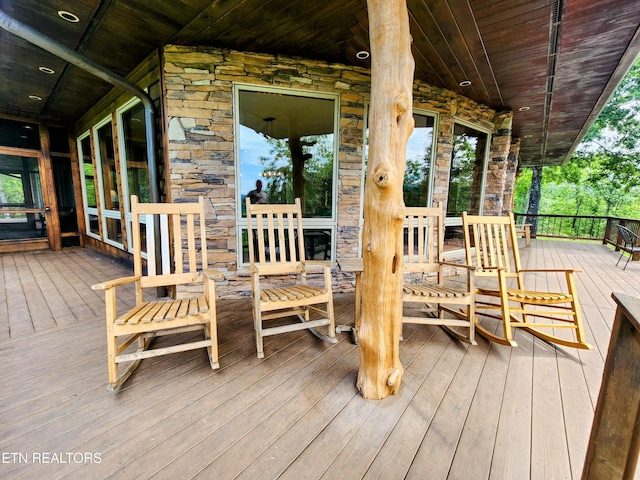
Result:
{"points": [[199, 117]]}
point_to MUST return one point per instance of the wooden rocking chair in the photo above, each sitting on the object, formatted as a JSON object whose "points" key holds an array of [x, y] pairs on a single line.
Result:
{"points": [[279, 271], [423, 259], [183, 262], [487, 240]]}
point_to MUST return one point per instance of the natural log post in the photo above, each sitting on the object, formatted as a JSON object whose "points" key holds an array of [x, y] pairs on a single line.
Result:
{"points": [[390, 124]]}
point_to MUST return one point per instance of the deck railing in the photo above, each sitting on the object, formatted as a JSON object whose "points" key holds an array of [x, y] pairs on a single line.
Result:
{"points": [[580, 227]]}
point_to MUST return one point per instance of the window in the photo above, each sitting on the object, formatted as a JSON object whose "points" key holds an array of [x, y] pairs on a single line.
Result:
{"points": [[109, 185], [466, 179], [134, 162], [418, 179], [88, 179], [286, 141], [22, 213], [418, 174]]}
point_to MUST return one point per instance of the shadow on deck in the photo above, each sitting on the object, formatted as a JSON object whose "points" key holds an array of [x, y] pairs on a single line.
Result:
{"points": [[462, 412]]}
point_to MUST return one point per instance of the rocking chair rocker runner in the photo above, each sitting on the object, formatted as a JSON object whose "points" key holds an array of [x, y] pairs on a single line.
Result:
{"points": [[424, 255], [278, 275], [179, 264], [487, 240]]}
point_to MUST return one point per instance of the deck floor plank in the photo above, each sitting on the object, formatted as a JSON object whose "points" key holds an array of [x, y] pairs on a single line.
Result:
{"points": [[462, 412]]}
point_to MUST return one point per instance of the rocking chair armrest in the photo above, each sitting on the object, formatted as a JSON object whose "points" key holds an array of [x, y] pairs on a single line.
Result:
{"points": [[213, 274], [115, 283], [320, 263], [552, 270], [470, 268]]}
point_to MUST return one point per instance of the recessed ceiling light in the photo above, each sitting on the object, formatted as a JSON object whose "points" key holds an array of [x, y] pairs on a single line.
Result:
{"points": [[528, 136], [35, 97], [465, 83], [524, 109], [47, 70], [68, 16], [362, 55]]}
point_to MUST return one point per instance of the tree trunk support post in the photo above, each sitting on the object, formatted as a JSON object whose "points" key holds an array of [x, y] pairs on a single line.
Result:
{"points": [[390, 125]]}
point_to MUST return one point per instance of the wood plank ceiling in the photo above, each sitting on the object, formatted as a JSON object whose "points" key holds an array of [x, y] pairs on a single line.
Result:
{"points": [[560, 58]]}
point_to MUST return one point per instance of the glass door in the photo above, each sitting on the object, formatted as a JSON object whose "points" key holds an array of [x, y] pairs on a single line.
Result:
{"points": [[22, 211]]}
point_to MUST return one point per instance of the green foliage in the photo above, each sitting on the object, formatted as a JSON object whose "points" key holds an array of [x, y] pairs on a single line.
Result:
{"points": [[603, 176], [318, 173], [11, 189]]}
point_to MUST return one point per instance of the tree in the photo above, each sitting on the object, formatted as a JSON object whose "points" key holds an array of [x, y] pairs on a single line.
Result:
{"points": [[391, 121]]}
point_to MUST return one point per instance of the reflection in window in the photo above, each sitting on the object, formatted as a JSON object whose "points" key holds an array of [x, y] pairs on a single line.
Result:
{"points": [[465, 179], [287, 142], [108, 166], [466, 172], [20, 190], [137, 170], [89, 186], [89, 172], [14, 133], [112, 223], [417, 175]]}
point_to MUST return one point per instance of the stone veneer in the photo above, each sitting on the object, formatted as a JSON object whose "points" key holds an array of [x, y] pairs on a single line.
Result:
{"points": [[199, 90]]}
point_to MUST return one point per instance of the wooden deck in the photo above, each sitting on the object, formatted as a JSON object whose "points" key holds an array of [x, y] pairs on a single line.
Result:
{"points": [[484, 412]]}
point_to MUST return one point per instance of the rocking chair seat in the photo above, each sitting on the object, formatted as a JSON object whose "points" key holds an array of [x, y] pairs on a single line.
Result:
{"points": [[432, 290], [287, 294], [164, 312], [529, 296]]}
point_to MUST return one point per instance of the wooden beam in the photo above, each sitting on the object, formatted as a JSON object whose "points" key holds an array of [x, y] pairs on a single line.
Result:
{"points": [[391, 124]]}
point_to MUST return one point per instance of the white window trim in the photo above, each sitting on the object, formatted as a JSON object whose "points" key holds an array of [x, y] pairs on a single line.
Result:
{"points": [[329, 223], [128, 218], [113, 214], [87, 210]]}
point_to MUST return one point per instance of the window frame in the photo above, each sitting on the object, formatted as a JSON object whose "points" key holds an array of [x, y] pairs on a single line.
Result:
{"points": [[107, 213], [87, 209], [126, 197], [310, 223]]}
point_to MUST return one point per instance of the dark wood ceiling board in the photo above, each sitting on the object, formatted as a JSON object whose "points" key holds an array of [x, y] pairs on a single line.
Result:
{"points": [[20, 74], [427, 59], [216, 16], [43, 17], [423, 42], [312, 26], [171, 14], [452, 23], [68, 104], [492, 15], [240, 27], [478, 54], [359, 39], [430, 28]]}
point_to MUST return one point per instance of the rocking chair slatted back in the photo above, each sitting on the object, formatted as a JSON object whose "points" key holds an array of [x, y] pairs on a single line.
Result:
{"points": [[282, 227], [177, 262], [424, 245], [491, 237]]}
